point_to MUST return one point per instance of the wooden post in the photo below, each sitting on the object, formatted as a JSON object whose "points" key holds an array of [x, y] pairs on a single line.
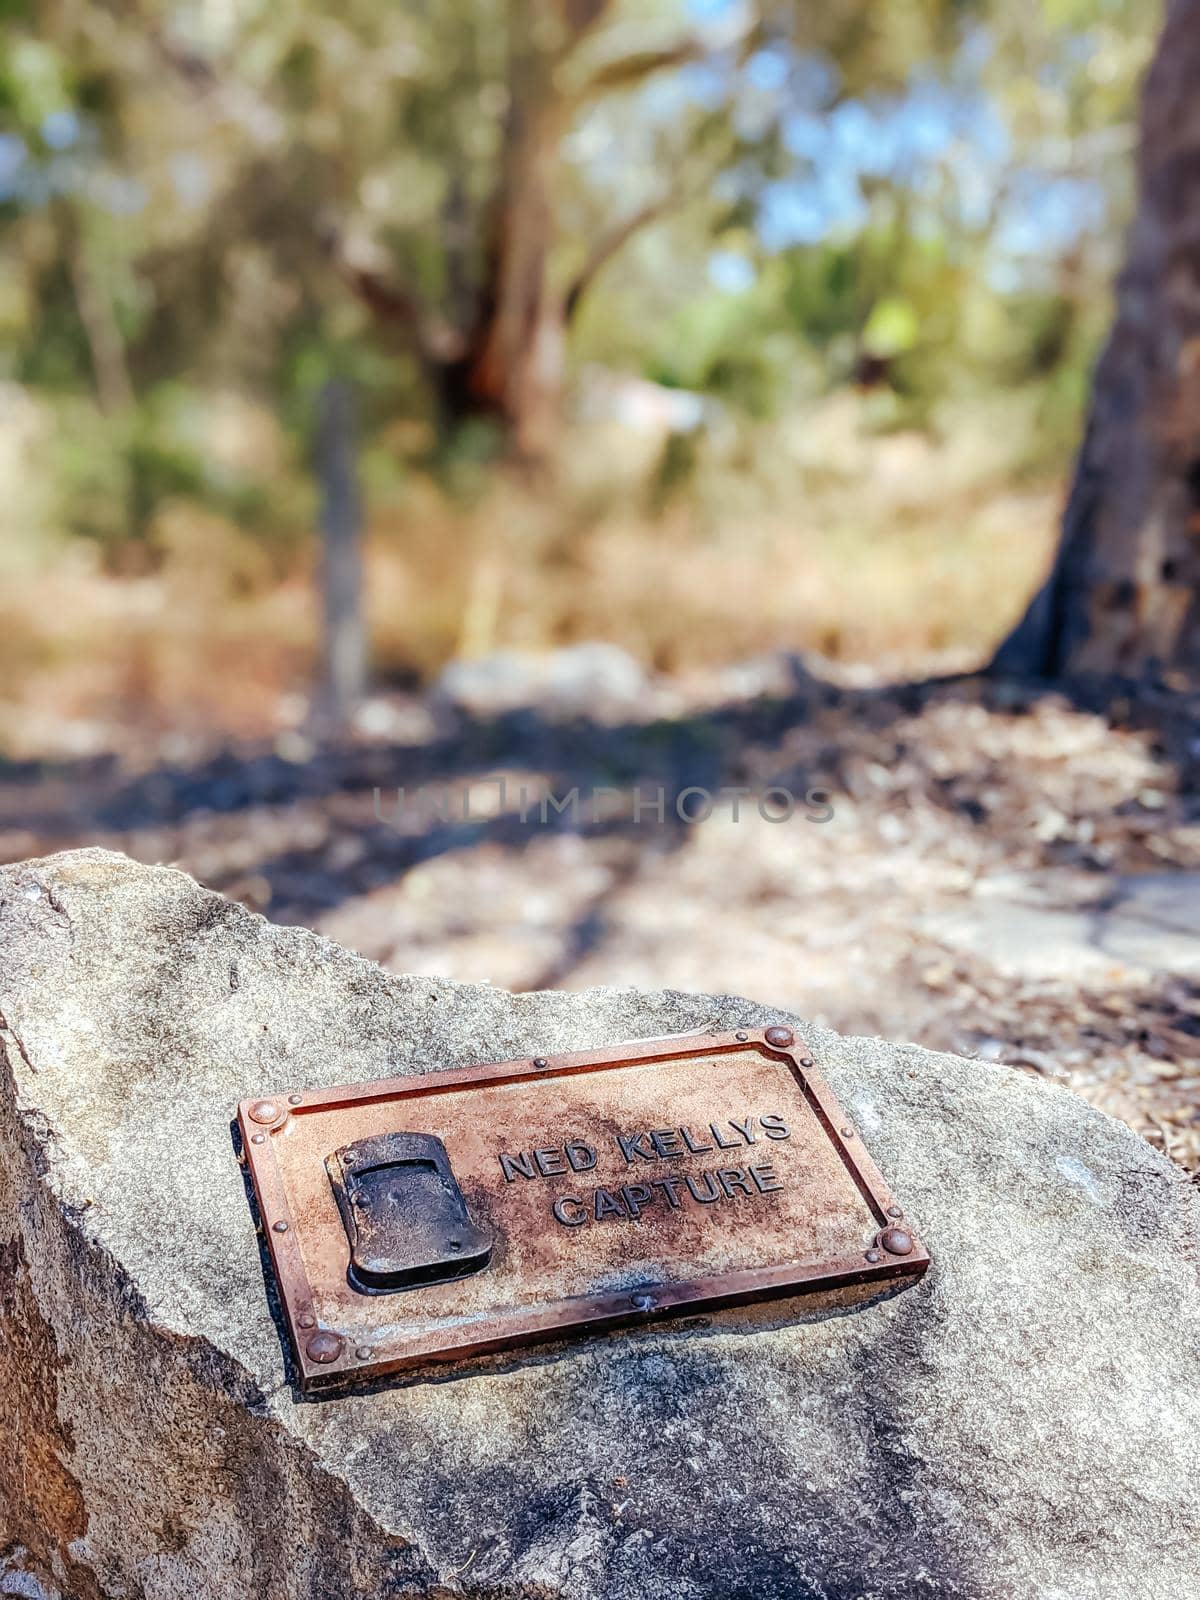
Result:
{"points": [[345, 651]]}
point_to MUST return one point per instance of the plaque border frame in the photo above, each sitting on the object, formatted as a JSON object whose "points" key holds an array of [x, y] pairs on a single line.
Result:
{"points": [[326, 1356]]}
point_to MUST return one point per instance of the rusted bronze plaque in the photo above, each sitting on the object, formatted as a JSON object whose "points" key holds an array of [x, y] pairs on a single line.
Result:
{"points": [[431, 1218]]}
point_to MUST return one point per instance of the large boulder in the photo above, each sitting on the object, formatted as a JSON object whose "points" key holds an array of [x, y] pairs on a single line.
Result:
{"points": [[1022, 1423]]}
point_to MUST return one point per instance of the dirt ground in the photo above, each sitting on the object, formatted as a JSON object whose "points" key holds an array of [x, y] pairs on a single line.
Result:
{"points": [[986, 868]]}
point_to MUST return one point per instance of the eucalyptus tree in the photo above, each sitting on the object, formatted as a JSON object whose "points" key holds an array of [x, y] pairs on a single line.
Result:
{"points": [[1123, 596], [201, 185]]}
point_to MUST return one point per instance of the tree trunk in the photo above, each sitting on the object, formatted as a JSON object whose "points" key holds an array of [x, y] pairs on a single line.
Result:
{"points": [[498, 349], [1123, 597], [515, 368]]}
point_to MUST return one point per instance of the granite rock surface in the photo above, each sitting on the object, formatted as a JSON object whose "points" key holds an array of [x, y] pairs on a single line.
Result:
{"points": [[1021, 1424]]}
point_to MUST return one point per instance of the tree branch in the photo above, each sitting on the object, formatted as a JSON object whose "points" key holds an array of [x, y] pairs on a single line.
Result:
{"points": [[580, 17], [626, 71], [609, 243], [434, 340]]}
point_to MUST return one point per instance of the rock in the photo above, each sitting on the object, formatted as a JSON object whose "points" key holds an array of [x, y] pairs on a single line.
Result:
{"points": [[576, 681], [1020, 1424], [1142, 926], [16, 1579]]}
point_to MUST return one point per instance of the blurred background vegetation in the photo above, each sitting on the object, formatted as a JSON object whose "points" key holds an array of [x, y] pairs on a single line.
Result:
{"points": [[703, 328], [657, 398]]}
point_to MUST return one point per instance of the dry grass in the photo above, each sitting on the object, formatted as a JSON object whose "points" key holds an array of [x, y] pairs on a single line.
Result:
{"points": [[817, 536]]}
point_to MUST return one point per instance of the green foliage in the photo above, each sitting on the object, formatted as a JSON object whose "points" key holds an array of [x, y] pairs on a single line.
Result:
{"points": [[181, 174], [892, 329], [114, 476]]}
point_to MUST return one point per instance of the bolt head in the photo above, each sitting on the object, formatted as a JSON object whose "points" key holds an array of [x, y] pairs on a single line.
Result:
{"points": [[364, 1352], [779, 1037], [540, 1061], [264, 1111], [258, 1138], [897, 1241], [323, 1347], [280, 1227], [847, 1133], [894, 1211], [874, 1255], [641, 1302], [295, 1099], [306, 1321], [742, 1035]]}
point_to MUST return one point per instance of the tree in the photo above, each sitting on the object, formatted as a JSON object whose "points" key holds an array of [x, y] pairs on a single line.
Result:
{"points": [[420, 152], [421, 199], [1123, 596], [495, 344]]}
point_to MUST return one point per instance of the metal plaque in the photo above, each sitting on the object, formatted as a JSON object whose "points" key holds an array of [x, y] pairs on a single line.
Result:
{"points": [[435, 1217]]}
